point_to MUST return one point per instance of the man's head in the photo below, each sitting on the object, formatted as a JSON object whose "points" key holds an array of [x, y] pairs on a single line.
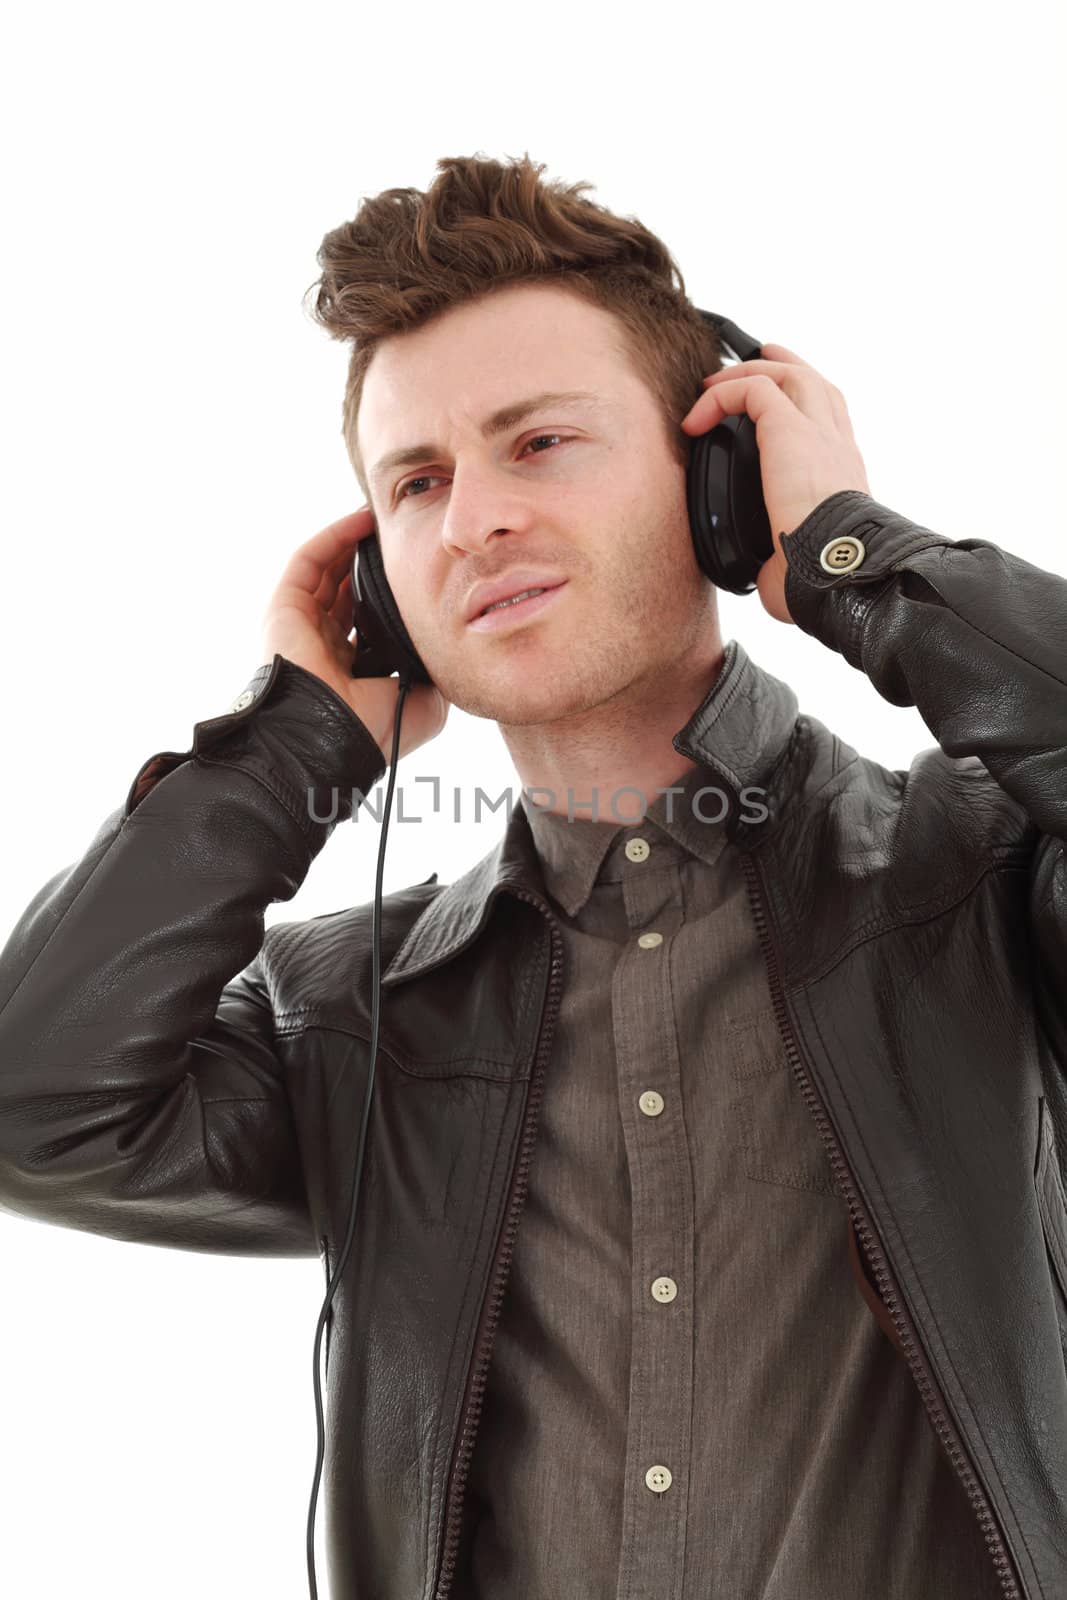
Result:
{"points": [[486, 291]]}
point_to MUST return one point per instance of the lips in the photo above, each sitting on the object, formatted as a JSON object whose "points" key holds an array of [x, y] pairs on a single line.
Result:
{"points": [[511, 618], [505, 588], [517, 598]]}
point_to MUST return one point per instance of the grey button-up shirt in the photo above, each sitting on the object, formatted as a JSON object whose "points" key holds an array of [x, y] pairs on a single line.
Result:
{"points": [[688, 1396]]}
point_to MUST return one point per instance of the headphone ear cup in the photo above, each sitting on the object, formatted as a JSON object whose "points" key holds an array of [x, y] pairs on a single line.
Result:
{"points": [[727, 514], [383, 645]]}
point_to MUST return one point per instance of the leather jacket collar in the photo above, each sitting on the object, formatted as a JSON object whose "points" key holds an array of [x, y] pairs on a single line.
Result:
{"points": [[740, 731]]}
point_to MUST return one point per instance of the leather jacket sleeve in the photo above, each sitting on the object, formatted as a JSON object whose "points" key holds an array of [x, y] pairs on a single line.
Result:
{"points": [[976, 639], [140, 1091]]}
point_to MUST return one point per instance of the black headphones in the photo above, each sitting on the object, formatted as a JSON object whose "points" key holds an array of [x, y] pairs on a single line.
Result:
{"points": [[727, 518]]}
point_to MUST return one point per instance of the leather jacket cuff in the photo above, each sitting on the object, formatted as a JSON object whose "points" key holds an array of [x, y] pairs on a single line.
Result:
{"points": [[292, 732], [839, 562]]}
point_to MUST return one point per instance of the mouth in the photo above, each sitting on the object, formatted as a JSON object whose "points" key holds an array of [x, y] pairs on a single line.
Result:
{"points": [[513, 612]]}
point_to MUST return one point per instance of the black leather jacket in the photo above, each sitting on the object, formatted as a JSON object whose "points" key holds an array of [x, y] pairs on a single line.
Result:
{"points": [[914, 925]]}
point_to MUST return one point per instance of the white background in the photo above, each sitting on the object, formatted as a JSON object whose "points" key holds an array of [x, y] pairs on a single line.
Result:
{"points": [[880, 190]]}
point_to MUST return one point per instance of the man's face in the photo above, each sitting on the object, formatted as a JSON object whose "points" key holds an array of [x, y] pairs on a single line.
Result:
{"points": [[586, 493]]}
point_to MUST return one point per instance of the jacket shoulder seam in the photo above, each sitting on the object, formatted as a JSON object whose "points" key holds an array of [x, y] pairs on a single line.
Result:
{"points": [[928, 912]]}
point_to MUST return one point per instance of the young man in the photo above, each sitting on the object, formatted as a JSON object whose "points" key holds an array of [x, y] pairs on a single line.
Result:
{"points": [[712, 1235]]}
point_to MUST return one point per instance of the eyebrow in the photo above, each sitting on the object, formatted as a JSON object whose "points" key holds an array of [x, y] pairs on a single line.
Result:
{"points": [[499, 422]]}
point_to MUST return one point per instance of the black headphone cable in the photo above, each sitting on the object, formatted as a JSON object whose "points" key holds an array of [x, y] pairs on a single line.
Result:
{"points": [[376, 961]]}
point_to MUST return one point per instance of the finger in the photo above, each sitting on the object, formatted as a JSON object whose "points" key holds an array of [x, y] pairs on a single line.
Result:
{"points": [[332, 575], [754, 396], [808, 397], [335, 635], [838, 403], [341, 609], [779, 352], [796, 370], [305, 568], [808, 389]]}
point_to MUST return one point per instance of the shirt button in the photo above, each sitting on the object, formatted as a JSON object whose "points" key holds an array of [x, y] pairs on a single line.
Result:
{"points": [[664, 1290], [637, 850], [658, 1478], [651, 1103], [842, 555], [243, 700], [649, 941]]}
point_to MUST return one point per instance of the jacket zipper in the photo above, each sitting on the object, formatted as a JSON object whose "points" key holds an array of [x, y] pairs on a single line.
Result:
{"points": [[490, 1315], [943, 1426]]}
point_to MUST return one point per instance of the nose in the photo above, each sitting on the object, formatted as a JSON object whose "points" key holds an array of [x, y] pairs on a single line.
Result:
{"points": [[482, 502]]}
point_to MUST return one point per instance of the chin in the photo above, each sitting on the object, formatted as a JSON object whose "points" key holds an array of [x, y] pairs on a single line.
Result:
{"points": [[517, 692], [515, 708]]}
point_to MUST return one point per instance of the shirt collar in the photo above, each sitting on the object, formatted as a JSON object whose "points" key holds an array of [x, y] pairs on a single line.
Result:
{"points": [[736, 737], [574, 853]]}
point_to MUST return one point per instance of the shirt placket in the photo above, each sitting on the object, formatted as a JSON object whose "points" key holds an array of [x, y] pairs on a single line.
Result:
{"points": [[652, 1553]]}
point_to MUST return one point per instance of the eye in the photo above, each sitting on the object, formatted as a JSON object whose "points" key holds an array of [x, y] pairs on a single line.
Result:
{"points": [[428, 477], [402, 491]]}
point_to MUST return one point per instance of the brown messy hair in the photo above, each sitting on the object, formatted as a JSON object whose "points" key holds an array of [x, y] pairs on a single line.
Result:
{"points": [[484, 224]]}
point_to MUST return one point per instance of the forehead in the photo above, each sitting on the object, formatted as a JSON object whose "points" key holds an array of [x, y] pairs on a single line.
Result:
{"points": [[483, 355]]}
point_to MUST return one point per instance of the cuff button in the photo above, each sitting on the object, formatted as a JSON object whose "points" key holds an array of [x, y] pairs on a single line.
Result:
{"points": [[842, 555], [243, 700]]}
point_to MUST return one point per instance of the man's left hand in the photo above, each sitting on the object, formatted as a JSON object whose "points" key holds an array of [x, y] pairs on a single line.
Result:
{"points": [[806, 448]]}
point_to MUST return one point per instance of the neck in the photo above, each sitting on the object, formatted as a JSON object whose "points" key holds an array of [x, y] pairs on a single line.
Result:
{"points": [[600, 756]]}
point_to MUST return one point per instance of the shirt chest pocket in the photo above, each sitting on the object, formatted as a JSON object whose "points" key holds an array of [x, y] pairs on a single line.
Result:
{"points": [[777, 1137]]}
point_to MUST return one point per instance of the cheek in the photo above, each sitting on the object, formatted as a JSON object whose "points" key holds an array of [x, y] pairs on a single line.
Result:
{"points": [[406, 575]]}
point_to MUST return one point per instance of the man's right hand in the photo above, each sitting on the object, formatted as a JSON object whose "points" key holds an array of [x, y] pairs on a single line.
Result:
{"points": [[309, 622]]}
